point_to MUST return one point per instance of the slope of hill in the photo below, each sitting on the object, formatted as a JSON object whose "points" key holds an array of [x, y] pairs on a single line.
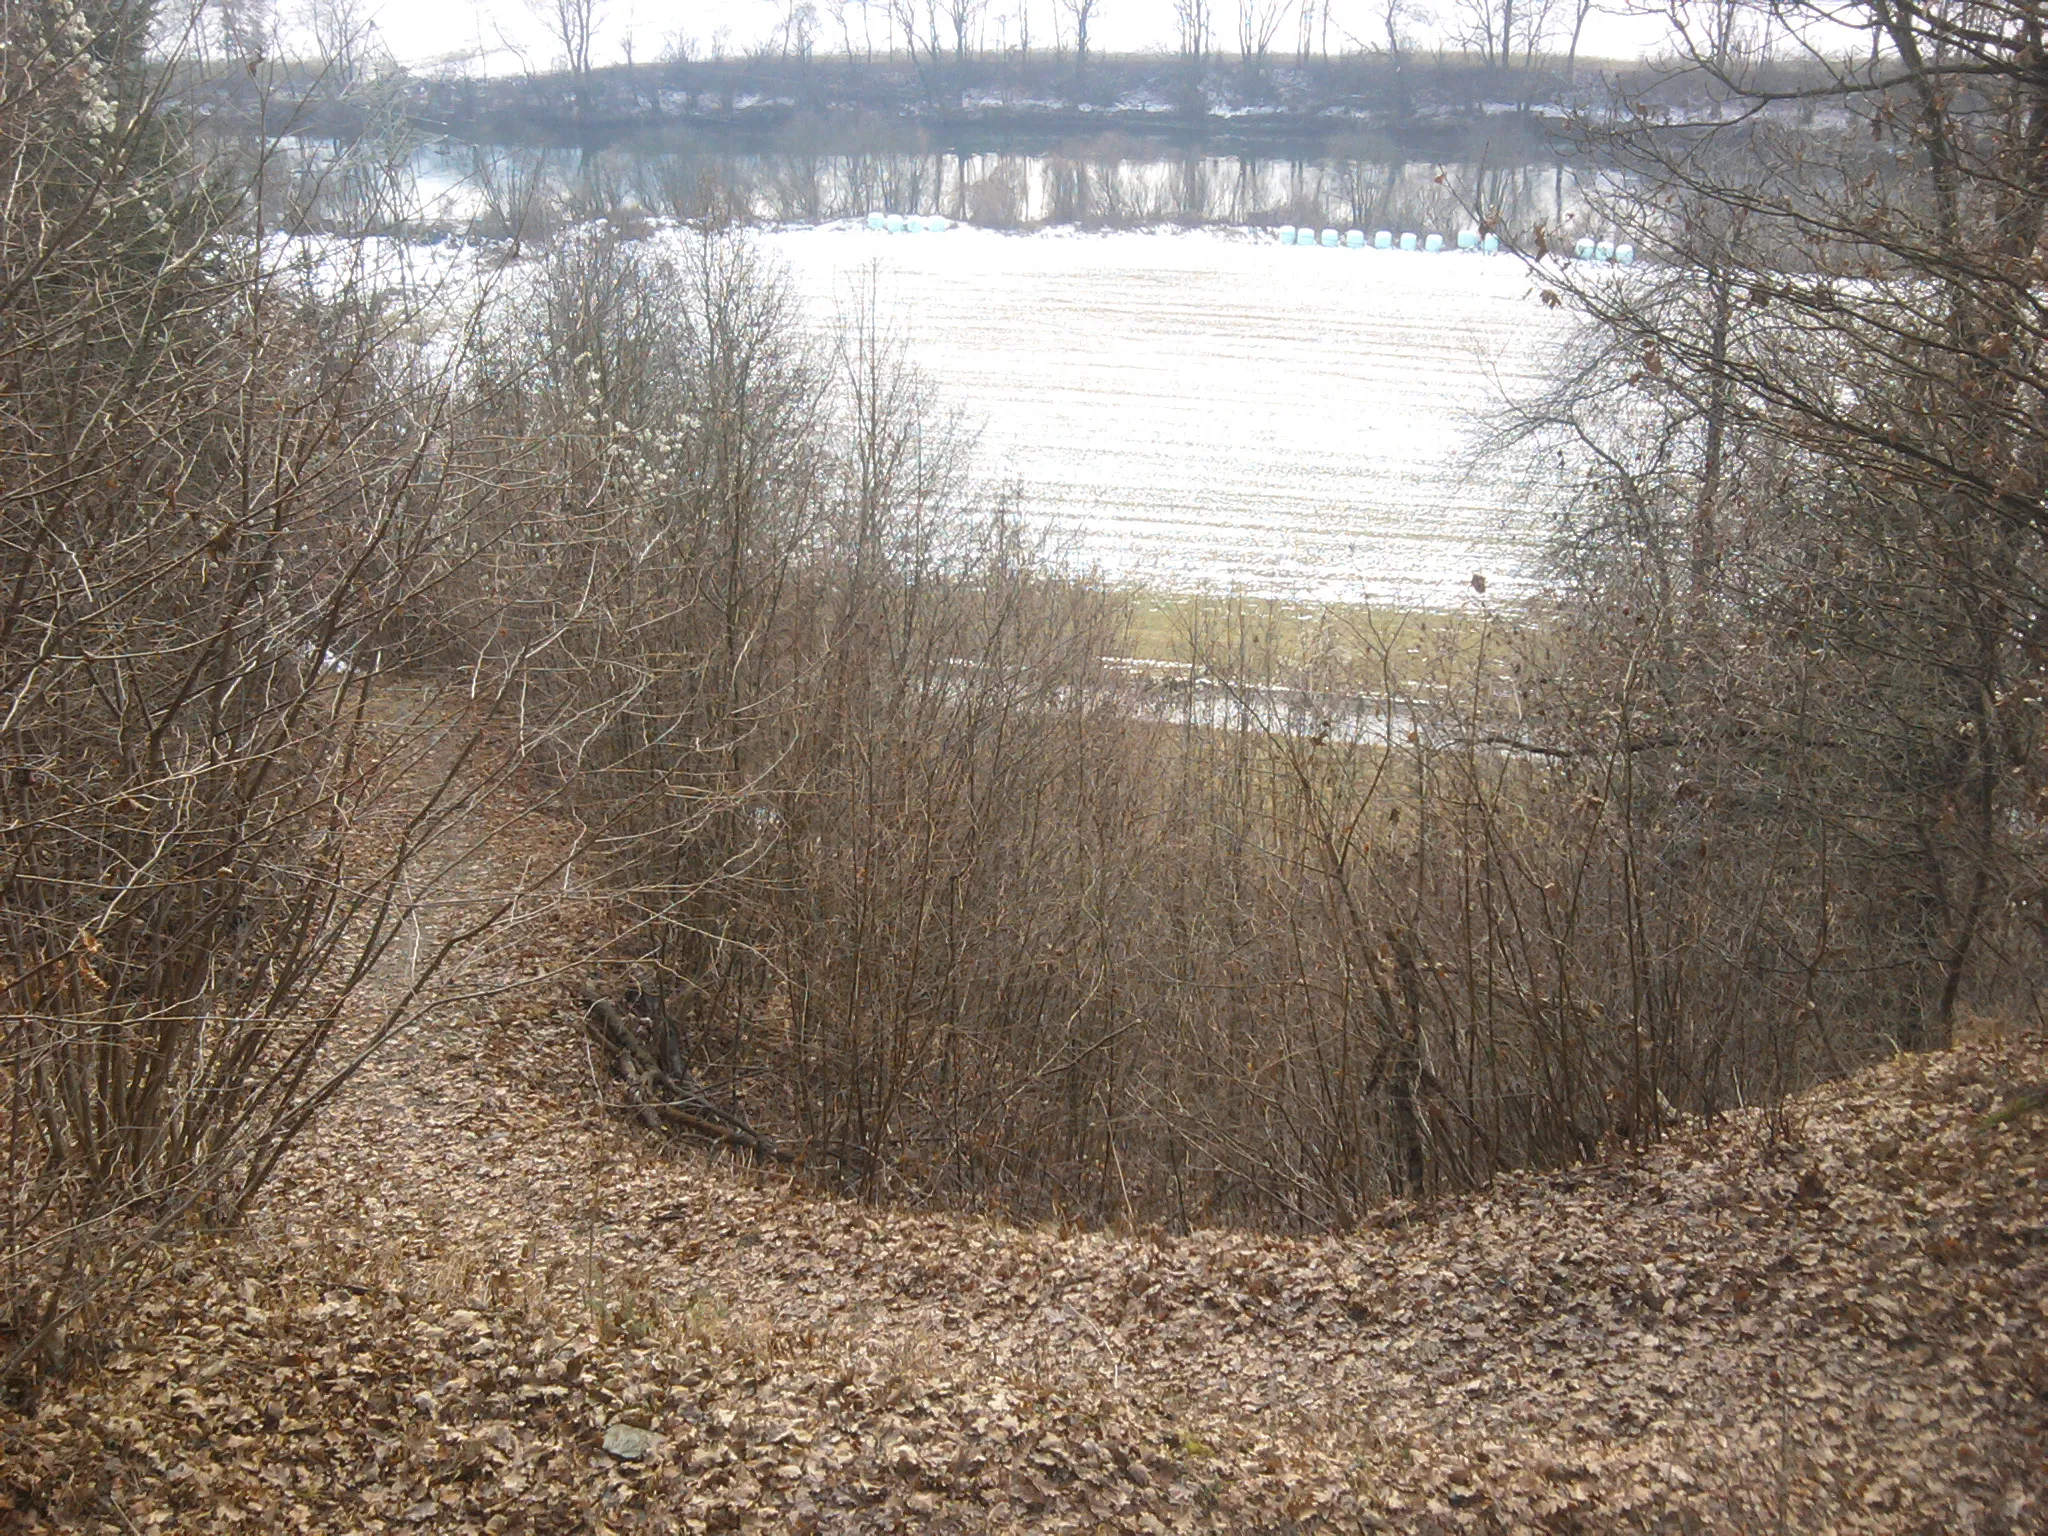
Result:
{"points": [[475, 1302]]}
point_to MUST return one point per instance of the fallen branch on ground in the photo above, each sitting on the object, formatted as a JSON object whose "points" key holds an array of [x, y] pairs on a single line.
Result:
{"points": [[662, 1099]]}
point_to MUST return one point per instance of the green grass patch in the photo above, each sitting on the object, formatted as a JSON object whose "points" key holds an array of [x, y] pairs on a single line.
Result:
{"points": [[1191, 628]]}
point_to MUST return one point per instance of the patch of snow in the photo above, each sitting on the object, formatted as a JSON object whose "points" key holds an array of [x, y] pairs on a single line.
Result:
{"points": [[1202, 408], [1189, 408]]}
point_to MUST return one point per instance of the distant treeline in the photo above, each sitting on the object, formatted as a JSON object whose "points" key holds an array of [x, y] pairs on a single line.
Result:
{"points": [[1009, 102], [1437, 105]]}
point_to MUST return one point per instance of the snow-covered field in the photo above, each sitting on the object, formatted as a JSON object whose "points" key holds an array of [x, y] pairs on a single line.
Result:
{"points": [[1202, 410], [1214, 410]]}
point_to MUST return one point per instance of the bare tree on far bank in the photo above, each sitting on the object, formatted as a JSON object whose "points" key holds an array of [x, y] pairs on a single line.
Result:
{"points": [[1082, 14], [572, 26]]}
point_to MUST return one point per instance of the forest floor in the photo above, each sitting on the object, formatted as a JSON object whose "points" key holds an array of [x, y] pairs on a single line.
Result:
{"points": [[474, 1301]]}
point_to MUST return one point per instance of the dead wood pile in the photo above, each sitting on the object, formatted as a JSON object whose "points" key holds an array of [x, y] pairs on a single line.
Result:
{"points": [[644, 1058]]}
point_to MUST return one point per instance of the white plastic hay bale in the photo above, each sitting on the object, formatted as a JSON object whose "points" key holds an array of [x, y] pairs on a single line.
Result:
{"points": [[1383, 241], [913, 225], [1604, 251], [937, 225], [876, 221], [1583, 247], [1287, 234], [1468, 239], [1490, 245], [1354, 239], [893, 223], [1433, 244], [1407, 242], [1624, 254], [1331, 238]]}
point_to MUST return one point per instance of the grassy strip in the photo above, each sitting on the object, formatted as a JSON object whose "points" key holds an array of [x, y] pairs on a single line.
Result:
{"points": [[1186, 628]]}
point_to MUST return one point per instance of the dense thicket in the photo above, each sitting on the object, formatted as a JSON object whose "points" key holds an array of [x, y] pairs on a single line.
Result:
{"points": [[996, 918], [214, 489], [1808, 553]]}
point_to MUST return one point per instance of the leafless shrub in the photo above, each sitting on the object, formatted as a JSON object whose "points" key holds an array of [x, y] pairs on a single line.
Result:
{"points": [[219, 504], [1814, 439]]}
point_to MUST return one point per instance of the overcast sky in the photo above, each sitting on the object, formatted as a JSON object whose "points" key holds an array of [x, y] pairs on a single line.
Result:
{"points": [[421, 32]]}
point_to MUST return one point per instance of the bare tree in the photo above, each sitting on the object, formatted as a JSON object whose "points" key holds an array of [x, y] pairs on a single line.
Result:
{"points": [[1083, 14], [1539, 27], [919, 22], [1258, 23], [246, 26], [966, 17], [1502, 32], [1194, 24], [1396, 21], [1581, 11], [796, 31], [1721, 32], [573, 26], [846, 10], [209, 29], [343, 34]]}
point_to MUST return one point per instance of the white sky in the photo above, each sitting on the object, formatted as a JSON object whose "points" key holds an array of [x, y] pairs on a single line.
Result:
{"points": [[506, 31]]}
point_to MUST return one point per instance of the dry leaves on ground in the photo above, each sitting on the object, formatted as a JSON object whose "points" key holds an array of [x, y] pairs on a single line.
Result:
{"points": [[470, 1282]]}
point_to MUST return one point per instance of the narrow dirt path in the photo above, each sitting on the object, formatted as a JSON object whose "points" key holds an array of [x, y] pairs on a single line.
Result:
{"points": [[469, 1281]]}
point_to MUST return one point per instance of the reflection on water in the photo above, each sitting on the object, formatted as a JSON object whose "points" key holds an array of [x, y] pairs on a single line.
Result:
{"points": [[1101, 185]]}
